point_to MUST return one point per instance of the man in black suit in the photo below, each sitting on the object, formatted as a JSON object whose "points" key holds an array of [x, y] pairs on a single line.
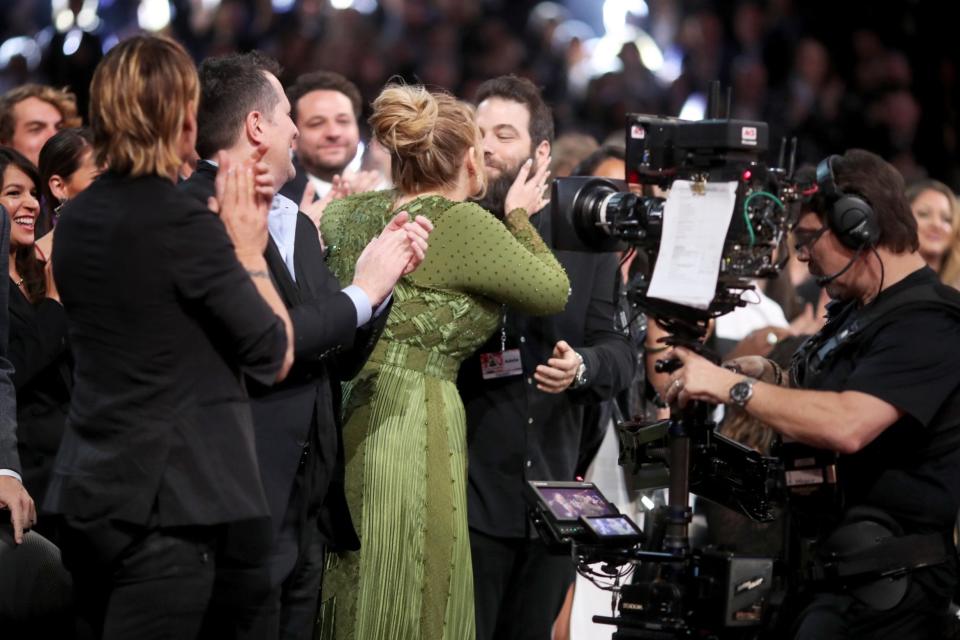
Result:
{"points": [[243, 107], [12, 494], [168, 307], [527, 426]]}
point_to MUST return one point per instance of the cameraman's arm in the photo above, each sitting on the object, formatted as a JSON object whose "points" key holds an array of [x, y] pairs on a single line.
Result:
{"points": [[843, 421]]}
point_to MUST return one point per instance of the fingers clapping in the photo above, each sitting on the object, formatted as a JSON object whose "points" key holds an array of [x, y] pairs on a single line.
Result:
{"points": [[396, 252], [243, 199]]}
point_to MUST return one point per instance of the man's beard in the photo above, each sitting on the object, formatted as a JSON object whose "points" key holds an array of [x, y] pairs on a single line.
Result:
{"points": [[495, 197]]}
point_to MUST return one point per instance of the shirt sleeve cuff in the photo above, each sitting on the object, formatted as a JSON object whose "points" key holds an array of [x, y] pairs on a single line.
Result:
{"points": [[361, 302], [383, 305], [11, 473]]}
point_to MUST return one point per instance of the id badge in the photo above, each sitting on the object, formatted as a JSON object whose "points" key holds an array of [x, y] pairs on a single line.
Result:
{"points": [[501, 364]]}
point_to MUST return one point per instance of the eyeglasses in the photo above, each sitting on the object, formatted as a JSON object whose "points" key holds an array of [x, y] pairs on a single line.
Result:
{"points": [[804, 239]]}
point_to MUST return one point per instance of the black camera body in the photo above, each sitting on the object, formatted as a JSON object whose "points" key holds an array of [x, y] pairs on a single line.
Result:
{"points": [[600, 214]]}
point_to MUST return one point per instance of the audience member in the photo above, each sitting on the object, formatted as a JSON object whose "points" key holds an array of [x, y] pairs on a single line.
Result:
{"points": [[934, 205], [156, 478], [38, 331], [13, 496], [67, 167], [404, 423], [299, 450], [31, 113], [568, 151], [607, 161], [326, 107], [526, 423]]}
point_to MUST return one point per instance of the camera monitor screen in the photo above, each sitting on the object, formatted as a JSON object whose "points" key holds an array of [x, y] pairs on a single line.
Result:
{"points": [[618, 527], [568, 503]]}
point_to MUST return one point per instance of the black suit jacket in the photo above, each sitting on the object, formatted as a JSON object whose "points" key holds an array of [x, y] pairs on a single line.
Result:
{"points": [[163, 323], [8, 399], [328, 348], [43, 378], [517, 433]]}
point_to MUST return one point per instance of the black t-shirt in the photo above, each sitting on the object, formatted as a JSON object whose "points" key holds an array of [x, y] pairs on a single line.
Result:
{"points": [[910, 359]]}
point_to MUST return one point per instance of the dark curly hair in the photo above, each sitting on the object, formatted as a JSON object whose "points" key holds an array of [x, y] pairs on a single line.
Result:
{"points": [[25, 259]]}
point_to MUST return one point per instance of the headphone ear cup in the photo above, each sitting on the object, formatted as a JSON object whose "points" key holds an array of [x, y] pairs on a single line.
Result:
{"points": [[853, 221]]}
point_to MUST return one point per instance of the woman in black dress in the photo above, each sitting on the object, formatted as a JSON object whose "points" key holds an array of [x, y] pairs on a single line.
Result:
{"points": [[38, 330]]}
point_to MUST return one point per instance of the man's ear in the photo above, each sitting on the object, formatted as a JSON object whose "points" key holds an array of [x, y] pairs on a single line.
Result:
{"points": [[541, 153], [253, 127]]}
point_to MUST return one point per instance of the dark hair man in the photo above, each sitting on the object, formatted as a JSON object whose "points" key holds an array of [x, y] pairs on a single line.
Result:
{"points": [[242, 109], [527, 426], [326, 109], [879, 386], [31, 113]]}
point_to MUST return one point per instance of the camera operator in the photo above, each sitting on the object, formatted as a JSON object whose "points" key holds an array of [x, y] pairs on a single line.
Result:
{"points": [[878, 385]]}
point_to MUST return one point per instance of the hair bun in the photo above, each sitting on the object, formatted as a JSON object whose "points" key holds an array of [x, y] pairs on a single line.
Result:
{"points": [[404, 119]]}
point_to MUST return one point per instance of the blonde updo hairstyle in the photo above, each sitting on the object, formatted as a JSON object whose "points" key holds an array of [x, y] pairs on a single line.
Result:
{"points": [[426, 133]]}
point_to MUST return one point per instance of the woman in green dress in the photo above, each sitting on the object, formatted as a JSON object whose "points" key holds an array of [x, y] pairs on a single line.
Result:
{"points": [[404, 426]]}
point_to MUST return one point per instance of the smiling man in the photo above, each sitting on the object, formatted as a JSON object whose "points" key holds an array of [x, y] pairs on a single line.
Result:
{"points": [[325, 108], [30, 114], [527, 423], [879, 385]]}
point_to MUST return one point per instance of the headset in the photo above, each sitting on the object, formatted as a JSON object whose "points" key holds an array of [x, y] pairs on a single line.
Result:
{"points": [[849, 215]]}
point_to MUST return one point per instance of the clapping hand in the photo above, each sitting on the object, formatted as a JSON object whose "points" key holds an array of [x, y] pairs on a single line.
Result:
{"points": [[243, 200], [314, 208], [396, 252]]}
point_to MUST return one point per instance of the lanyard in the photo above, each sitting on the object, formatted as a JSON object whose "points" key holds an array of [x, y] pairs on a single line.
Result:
{"points": [[503, 329]]}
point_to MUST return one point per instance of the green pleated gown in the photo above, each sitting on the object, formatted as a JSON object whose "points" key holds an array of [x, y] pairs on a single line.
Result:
{"points": [[404, 424]]}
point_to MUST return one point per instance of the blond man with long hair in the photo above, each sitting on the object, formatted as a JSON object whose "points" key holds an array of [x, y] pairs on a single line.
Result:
{"points": [[167, 305]]}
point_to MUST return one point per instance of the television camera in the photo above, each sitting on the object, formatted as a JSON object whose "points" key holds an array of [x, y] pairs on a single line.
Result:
{"points": [[677, 591]]}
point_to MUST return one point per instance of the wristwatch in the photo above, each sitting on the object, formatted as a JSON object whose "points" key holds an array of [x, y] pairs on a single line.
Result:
{"points": [[581, 378], [741, 392]]}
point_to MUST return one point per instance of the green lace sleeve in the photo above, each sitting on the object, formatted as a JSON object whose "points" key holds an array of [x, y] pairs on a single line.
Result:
{"points": [[472, 251], [348, 225]]}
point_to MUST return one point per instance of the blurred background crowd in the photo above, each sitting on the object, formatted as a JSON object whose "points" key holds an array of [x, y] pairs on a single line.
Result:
{"points": [[878, 75]]}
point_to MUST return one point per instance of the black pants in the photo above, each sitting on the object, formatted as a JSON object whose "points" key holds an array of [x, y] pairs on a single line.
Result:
{"points": [[295, 567], [518, 587], [296, 573], [150, 582]]}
